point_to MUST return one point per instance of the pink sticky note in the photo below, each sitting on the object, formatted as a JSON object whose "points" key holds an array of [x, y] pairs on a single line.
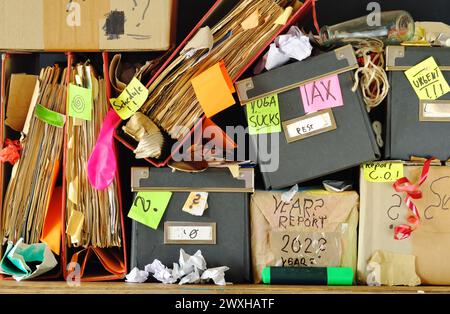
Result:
{"points": [[322, 94]]}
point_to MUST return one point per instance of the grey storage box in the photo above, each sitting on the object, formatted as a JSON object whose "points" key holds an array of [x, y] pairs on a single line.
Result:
{"points": [[408, 131], [227, 213], [346, 141]]}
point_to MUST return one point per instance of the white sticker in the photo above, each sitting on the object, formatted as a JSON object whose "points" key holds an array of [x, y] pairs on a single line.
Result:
{"points": [[189, 232], [309, 125], [196, 203]]}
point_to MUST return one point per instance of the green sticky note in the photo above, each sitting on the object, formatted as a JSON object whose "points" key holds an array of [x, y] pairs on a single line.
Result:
{"points": [[50, 117], [149, 207], [80, 102], [263, 115]]}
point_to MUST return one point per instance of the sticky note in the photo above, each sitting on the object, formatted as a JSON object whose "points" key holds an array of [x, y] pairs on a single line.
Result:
{"points": [[214, 89], [149, 207], [130, 100], [49, 116], [80, 102], [263, 115], [322, 94], [196, 203], [427, 80], [383, 171]]}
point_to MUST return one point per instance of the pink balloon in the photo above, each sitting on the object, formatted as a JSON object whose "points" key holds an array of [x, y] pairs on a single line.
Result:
{"points": [[102, 164]]}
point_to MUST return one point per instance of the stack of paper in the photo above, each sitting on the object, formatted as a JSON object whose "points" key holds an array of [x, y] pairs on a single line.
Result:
{"points": [[92, 216], [33, 178], [234, 40]]}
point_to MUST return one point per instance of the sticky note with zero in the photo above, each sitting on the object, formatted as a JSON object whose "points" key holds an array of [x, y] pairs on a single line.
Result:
{"points": [[80, 102], [149, 207], [130, 100], [322, 94], [427, 80], [214, 89], [383, 171], [263, 115]]}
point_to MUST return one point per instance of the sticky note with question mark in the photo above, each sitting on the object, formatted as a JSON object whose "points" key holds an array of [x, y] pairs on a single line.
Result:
{"points": [[196, 203]]}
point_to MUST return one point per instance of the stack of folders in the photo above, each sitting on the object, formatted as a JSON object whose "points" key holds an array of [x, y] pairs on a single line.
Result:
{"points": [[93, 218], [92, 215], [29, 192], [172, 102]]}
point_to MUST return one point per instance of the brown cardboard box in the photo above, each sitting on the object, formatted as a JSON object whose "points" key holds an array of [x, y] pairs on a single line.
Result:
{"points": [[316, 228], [79, 25], [425, 253]]}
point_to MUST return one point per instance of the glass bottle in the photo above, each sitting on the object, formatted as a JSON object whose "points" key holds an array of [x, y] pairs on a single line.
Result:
{"points": [[393, 27]]}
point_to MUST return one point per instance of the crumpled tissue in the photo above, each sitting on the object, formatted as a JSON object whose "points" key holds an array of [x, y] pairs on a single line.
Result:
{"points": [[294, 44], [190, 269]]}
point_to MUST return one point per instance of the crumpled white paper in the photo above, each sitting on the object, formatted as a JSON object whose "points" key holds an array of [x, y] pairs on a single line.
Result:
{"points": [[294, 44], [287, 196], [217, 274], [137, 276], [190, 269]]}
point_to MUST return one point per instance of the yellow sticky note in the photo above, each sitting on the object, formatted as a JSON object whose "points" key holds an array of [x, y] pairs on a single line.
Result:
{"points": [[383, 171], [284, 17], [75, 225], [149, 207], [130, 100], [214, 89], [427, 80]]}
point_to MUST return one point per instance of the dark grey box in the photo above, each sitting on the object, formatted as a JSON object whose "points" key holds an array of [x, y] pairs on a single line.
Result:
{"points": [[350, 143], [228, 208], [408, 135]]}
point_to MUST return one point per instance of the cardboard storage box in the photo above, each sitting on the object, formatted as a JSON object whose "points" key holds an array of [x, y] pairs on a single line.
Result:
{"points": [[310, 143], [61, 25], [410, 131], [421, 258], [226, 217], [316, 228]]}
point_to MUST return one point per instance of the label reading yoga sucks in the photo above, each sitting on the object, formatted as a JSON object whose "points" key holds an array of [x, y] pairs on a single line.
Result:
{"points": [[130, 100], [263, 115], [427, 80]]}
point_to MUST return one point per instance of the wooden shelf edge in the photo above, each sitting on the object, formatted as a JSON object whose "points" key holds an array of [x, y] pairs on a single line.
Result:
{"points": [[41, 287]]}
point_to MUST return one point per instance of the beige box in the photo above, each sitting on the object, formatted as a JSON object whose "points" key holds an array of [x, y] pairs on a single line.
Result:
{"points": [[87, 25], [425, 254]]}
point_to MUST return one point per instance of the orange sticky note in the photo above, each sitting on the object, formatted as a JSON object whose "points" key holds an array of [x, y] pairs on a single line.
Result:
{"points": [[214, 89]]}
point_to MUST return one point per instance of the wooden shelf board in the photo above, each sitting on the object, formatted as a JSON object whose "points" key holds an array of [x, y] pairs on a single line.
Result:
{"points": [[41, 287]]}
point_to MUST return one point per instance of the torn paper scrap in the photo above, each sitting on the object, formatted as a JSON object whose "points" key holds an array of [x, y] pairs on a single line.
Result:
{"points": [[294, 44], [25, 261], [203, 39], [196, 203], [392, 269], [137, 276], [217, 274], [287, 196]]}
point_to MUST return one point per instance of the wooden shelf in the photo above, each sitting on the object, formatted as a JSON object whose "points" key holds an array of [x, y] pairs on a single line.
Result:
{"points": [[45, 287]]}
